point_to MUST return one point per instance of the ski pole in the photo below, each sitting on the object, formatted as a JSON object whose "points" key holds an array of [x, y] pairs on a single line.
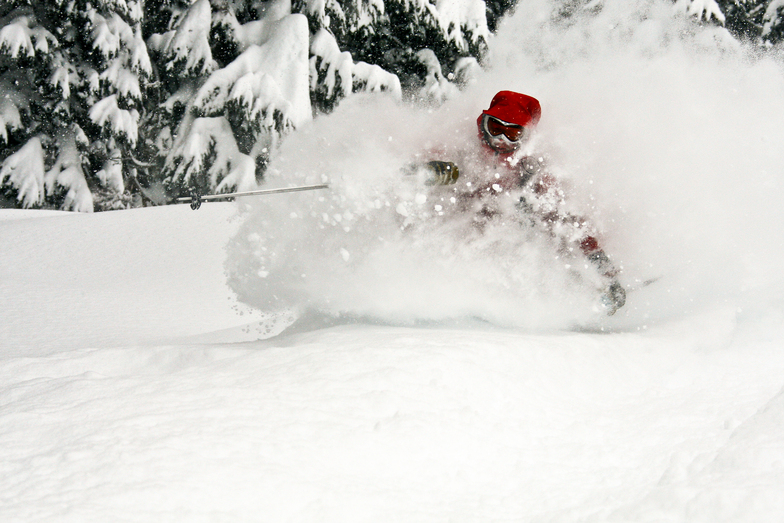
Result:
{"points": [[195, 198]]}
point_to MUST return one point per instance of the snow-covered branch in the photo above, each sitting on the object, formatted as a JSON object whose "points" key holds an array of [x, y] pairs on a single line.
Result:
{"points": [[25, 172], [340, 76], [18, 38], [10, 103], [110, 175], [140, 59], [209, 148], [67, 173], [437, 88], [265, 78], [700, 8], [371, 78], [120, 122], [260, 100], [457, 17], [334, 65], [62, 74], [110, 34], [330, 12], [187, 47], [773, 16], [122, 79]]}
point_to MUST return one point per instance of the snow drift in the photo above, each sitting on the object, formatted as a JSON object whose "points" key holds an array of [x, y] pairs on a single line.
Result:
{"points": [[665, 132]]}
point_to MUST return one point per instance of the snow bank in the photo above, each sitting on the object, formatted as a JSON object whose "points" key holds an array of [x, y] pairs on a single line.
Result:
{"points": [[646, 116], [71, 281]]}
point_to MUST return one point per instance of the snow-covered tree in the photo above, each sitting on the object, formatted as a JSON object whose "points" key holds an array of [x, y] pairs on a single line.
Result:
{"points": [[755, 20], [334, 74], [247, 72], [393, 34], [72, 76], [102, 100], [238, 77]]}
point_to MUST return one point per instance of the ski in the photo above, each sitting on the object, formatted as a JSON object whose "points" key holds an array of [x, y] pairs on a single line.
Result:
{"points": [[636, 286], [196, 199]]}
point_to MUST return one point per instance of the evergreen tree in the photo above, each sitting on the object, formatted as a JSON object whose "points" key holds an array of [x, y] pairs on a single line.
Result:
{"points": [[72, 76], [197, 148], [760, 21], [102, 102], [238, 76], [393, 34]]}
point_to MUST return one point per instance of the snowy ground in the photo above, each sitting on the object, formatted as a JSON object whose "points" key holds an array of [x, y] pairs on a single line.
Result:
{"points": [[134, 386], [114, 406]]}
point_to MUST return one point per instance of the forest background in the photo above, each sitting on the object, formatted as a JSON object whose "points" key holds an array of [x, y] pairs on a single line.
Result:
{"points": [[112, 104]]}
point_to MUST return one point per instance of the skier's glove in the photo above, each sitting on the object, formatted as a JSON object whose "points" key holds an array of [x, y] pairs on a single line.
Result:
{"points": [[614, 297], [532, 164], [441, 173]]}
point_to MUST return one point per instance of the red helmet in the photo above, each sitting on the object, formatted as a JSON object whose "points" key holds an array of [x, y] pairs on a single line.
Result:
{"points": [[511, 109], [515, 108]]}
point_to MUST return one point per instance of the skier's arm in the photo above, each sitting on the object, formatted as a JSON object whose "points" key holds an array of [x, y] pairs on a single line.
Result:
{"points": [[614, 295], [575, 233]]}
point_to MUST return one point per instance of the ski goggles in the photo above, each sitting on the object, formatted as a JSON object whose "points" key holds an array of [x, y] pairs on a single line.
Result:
{"points": [[496, 127]]}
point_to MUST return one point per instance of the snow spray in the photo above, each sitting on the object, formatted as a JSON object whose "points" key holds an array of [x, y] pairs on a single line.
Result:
{"points": [[666, 132]]}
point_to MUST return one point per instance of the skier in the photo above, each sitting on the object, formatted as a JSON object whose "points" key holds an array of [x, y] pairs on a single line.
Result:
{"points": [[505, 166]]}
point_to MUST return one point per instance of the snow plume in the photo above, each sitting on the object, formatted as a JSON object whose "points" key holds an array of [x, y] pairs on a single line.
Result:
{"points": [[667, 135], [671, 132], [378, 243]]}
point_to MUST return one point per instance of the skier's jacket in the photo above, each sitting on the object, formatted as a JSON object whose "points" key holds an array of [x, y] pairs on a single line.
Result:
{"points": [[490, 179], [545, 198]]}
